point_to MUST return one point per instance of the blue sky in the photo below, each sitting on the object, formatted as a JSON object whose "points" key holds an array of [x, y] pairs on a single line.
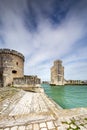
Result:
{"points": [[44, 31]]}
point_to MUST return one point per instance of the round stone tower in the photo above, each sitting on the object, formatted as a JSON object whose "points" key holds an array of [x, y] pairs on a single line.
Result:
{"points": [[11, 66]]}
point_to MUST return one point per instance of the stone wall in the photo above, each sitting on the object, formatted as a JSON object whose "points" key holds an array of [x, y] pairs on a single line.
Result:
{"points": [[26, 81], [11, 66], [75, 82]]}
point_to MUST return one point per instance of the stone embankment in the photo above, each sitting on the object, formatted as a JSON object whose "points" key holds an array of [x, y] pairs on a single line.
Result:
{"points": [[35, 111]]}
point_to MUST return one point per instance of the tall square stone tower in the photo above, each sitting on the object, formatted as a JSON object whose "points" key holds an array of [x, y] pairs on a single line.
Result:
{"points": [[57, 73]]}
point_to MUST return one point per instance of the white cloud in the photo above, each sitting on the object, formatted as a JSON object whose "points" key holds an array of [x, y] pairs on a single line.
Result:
{"points": [[76, 71], [45, 44]]}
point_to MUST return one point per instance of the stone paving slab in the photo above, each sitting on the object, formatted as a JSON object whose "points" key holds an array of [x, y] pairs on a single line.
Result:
{"points": [[33, 126], [66, 123], [35, 111], [27, 107]]}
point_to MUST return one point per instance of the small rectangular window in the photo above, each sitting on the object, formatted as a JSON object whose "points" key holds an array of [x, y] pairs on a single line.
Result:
{"points": [[14, 71]]}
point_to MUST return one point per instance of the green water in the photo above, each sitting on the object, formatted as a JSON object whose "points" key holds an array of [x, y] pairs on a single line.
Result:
{"points": [[67, 96]]}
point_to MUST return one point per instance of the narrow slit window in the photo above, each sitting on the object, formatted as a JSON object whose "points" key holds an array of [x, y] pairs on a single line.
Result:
{"points": [[17, 63]]}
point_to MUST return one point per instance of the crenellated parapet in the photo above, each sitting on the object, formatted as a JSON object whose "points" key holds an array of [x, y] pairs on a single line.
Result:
{"points": [[13, 52]]}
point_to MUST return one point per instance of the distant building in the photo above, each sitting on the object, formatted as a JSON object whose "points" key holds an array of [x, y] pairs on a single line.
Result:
{"points": [[45, 82], [75, 82], [57, 73]]}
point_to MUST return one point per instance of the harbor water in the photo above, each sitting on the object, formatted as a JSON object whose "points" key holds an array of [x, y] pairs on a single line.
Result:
{"points": [[68, 96]]}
